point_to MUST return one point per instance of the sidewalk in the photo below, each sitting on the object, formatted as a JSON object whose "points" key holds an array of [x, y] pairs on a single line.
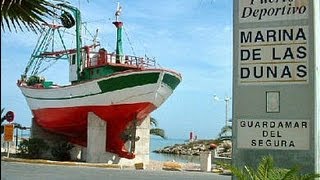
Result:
{"points": [[152, 166], [64, 163]]}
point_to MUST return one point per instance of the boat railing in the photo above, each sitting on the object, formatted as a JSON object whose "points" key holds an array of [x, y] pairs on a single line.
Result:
{"points": [[101, 58], [132, 60]]}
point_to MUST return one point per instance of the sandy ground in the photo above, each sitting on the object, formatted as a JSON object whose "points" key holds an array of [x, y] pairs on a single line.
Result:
{"points": [[158, 165]]}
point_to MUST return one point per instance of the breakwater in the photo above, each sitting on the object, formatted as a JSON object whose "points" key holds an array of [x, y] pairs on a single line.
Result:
{"points": [[194, 148]]}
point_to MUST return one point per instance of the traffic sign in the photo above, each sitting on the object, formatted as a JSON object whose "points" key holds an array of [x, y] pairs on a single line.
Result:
{"points": [[8, 132], [10, 116]]}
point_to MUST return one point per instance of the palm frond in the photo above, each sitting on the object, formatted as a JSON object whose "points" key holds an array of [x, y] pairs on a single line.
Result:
{"points": [[158, 132], [30, 14], [266, 170], [309, 176], [237, 172], [291, 174], [265, 167], [153, 122], [224, 130], [251, 173]]}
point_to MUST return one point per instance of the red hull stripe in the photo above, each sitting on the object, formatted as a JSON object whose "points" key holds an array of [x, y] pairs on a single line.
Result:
{"points": [[72, 121]]}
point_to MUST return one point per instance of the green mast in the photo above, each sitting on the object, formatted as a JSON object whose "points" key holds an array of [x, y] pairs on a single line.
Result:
{"points": [[45, 39], [78, 39], [77, 15], [118, 24]]}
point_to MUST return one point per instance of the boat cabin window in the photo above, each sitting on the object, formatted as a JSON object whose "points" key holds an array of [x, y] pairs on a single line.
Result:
{"points": [[73, 59]]}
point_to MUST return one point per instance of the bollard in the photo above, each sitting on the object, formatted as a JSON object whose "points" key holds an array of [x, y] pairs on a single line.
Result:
{"points": [[205, 161]]}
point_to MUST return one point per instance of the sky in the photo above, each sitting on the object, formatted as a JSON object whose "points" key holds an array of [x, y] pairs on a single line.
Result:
{"points": [[192, 37]]}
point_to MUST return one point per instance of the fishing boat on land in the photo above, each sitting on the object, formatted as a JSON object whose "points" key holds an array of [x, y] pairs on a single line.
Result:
{"points": [[120, 89]]}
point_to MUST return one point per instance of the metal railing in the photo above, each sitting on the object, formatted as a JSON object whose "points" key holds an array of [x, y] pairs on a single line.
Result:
{"points": [[98, 59]]}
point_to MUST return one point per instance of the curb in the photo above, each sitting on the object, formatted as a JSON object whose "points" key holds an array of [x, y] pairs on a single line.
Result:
{"points": [[166, 166], [65, 163]]}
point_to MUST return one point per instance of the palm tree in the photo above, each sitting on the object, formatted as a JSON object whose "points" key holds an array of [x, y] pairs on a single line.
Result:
{"points": [[267, 170], [28, 13], [156, 131], [224, 130]]}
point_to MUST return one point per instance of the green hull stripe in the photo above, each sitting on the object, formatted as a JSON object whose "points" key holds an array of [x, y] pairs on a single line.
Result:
{"points": [[113, 84], [128, 81], [171, 81]]}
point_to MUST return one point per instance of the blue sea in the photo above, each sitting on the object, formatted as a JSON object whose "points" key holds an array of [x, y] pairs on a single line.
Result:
{"points": [[157, 143]]}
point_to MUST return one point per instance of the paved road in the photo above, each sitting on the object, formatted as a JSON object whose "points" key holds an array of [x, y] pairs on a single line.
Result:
{"points": [[25, 171]]}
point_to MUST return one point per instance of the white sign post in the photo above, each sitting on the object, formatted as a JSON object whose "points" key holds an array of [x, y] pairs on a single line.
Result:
{"points": [[8, 136], [276, 86]]}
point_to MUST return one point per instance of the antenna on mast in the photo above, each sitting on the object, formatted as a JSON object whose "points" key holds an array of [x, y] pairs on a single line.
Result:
{"points": [[118, 12], [118, 25]]}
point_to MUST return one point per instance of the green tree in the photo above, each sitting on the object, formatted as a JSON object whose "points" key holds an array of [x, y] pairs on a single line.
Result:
{"points": [[267, 171], [16, 14], [224, 130], [156, 131], [33, 148], [61, 151]]}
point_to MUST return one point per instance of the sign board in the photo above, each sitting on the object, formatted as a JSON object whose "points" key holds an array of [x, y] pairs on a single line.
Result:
{"points": [[273, 134], [272, 10], [8, 132], [10, 116], [273, 55], [273, 47], [276, 83]]}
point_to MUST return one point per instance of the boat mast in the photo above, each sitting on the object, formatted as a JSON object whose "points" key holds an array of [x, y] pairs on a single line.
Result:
{"points": [[118, 24], [77, 15]]}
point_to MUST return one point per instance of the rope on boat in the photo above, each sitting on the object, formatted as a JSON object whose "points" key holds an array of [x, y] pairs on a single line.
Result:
{"points": [[37, 59], [129, 41]]}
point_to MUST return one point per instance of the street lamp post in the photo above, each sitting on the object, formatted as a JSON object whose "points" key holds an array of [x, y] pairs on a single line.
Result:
{"points": [[226, 99]]}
